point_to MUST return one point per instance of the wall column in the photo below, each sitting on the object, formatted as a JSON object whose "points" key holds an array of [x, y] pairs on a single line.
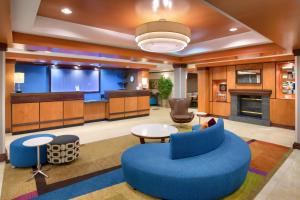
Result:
{"points": [[297, 107], [203, 90], [180, 76], [2, 102]]}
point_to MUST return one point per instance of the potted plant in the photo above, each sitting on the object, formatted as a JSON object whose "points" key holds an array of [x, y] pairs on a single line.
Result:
{"points": [[165, 86]]}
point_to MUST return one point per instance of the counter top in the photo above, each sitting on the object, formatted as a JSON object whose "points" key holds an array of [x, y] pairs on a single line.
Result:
{"points": [[126, 93], [45, 97], [95, 100]]}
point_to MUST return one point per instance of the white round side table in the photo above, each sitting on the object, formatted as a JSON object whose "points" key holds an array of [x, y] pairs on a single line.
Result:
{"points": [[201, 114], [37, 142]]}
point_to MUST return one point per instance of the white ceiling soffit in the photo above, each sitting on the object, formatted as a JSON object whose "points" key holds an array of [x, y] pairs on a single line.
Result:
{"points": [[230, 42], [25, 20], [66, 55]]}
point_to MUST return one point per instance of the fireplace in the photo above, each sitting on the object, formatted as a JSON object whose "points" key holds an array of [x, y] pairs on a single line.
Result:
{"points": [[252, 106]]}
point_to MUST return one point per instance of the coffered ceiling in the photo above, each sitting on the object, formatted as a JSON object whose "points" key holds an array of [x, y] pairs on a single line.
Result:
{"points": [[102, 30]]}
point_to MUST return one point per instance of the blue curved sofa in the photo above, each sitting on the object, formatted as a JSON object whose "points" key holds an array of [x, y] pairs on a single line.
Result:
{"points": [[21, 156], [202, 164]]}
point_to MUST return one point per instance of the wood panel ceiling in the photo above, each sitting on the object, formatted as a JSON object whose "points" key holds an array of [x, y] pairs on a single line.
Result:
{"points": [[5, 22], [277, 20], [124, 16]]}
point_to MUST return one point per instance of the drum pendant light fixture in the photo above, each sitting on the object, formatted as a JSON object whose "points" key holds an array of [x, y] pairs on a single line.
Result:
{"points": [[162, 36]]}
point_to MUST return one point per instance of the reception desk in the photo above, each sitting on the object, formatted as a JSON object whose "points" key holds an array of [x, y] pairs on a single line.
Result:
{"points": [[127, 103], [33, 112]]}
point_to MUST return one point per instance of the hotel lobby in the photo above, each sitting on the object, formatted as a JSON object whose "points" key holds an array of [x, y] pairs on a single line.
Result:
{"points": [[149, 99]]}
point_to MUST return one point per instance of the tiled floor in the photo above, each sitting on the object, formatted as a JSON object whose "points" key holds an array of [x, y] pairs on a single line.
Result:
{"points": [[284, 180]]}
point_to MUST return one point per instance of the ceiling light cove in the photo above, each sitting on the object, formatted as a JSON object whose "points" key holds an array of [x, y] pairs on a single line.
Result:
{"points": [[233, 29], [66, 11], [162, 36]]}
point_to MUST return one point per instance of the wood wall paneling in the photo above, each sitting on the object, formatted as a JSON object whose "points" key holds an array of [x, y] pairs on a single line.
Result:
{"points": [[210, 82], [203, 90], [269, 77], [221, 109], [73, 112], [230, 81], [282, 112], [51, 114], [219, 73], [25, 116], [10, 87], [94, 111]]}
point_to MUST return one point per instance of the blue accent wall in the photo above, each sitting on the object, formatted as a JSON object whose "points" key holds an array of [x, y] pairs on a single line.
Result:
{"points": [[111, 79], [36, 78], [71, 80]]}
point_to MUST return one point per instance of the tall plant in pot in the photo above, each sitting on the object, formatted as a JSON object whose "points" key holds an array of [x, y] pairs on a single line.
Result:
{"points": [[165, 86]]}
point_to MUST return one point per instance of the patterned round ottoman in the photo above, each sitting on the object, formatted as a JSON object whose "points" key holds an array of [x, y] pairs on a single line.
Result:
{"points": [[63, 149]]}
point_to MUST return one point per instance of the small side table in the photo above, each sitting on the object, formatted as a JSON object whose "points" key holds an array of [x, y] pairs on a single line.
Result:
{"points": [[201, 114], [37, 142]]}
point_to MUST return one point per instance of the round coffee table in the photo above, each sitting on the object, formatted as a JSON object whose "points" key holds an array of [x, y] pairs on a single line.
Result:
{"points": [[153, 131], [37, 142]]}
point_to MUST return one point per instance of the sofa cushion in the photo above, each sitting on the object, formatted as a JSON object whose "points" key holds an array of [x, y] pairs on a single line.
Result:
{"points": [[197, 142]]}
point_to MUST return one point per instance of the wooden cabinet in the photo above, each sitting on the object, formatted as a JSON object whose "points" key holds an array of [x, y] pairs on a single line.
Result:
{"points": [[221, 108], [143, 105], [219, 73], [25, 116], [94, 111], [51, 114], [73, 112], [282, 112]]}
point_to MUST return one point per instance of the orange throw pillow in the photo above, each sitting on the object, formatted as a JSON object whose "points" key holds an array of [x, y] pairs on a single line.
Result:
{"points": [[204, 125]]}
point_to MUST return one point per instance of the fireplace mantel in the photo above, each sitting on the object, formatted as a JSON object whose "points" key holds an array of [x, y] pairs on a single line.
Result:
{"points": [[250, 92]]}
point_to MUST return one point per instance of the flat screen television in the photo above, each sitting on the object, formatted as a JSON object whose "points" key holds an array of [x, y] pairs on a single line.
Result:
{"points": [[248, 76], [72, 80]]}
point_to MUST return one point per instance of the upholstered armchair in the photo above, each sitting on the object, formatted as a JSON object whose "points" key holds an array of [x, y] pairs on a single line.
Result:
{"points": [[179, 110]]}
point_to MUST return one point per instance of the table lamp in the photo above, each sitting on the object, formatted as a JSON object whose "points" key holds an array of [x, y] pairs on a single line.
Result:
{"points": [[19, 79], [145, 83]]}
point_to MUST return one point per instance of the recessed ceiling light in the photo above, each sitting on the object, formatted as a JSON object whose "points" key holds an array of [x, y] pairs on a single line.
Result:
{"points": [[233, 29], [76, 67], [66, 11]]}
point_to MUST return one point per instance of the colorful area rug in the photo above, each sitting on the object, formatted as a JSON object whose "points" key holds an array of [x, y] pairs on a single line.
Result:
{"points": [[97, 174]]}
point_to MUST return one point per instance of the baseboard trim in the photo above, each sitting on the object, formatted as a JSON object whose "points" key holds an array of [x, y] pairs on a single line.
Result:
{"points": [[283, 126], [296, 145], [3, 157]]}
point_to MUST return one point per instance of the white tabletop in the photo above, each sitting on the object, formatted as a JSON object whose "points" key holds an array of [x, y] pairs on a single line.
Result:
{"points": [[37, 141], [153, 130], [201, 113]]}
